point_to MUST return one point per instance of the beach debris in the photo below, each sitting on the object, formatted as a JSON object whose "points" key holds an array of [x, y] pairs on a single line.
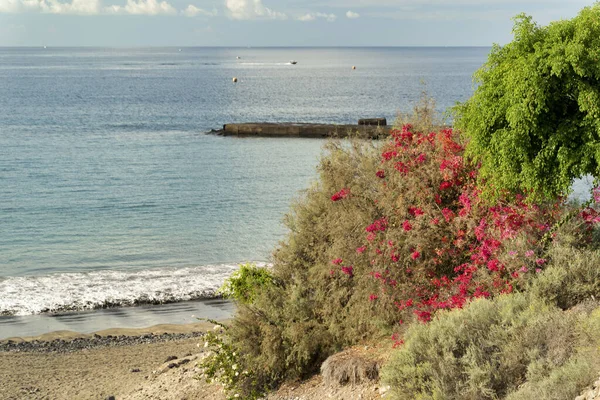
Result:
{"points": [[234, 79], [135, 370], [353, 67]]}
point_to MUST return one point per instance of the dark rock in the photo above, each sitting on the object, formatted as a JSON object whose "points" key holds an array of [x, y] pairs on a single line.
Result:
{"points": [[172, 365], [111, 398], [171, 358], [373, 121], [136, 370]]}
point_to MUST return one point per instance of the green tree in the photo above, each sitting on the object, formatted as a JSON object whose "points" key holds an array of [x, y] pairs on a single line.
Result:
{"points": [[533, 123]]}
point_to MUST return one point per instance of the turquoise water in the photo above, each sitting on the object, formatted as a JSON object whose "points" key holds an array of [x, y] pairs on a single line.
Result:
{"points": [[112, 193]]}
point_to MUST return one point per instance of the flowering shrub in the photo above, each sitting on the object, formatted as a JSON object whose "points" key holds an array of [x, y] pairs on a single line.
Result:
{"points": [[222, 365], [435, 244], [391, 233]]}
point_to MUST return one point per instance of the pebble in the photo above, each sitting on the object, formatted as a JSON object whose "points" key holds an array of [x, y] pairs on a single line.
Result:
{"points": [[68, 346]]}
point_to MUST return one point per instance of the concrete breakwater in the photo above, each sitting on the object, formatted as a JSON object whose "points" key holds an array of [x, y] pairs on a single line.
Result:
{"points": [[304, 130]]}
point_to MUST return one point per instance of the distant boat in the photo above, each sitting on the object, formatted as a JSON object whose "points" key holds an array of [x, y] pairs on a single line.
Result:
{"points": [[293, 62], [238, 57]]}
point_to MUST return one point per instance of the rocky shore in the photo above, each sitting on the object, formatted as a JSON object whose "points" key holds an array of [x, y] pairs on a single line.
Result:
{"points": [[93, 342]]}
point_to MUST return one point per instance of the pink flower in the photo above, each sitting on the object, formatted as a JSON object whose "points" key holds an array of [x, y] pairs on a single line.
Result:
{"points": [[529, 253], [540, 261], [538, 270], [371, 236], [415, 254], [337, 261], [596, 194], [523, 269], [512, 253], [361, 249], [373, 297], [448, 214], [406, 226], [421, 158], [342, 194], [347, 270]]}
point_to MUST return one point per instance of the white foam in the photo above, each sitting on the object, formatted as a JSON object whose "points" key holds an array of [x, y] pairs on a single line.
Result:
{"points": [[79, 291]]}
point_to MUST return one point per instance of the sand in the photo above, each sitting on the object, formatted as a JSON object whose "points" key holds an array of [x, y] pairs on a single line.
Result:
{"points": [[130, 364], [123, 371]]}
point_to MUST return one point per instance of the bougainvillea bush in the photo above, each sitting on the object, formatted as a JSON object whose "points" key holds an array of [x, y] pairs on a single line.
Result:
{"points": [[390, 233]]}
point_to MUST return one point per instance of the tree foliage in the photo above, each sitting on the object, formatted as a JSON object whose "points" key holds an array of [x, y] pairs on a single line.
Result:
{"points": [[533, 123]]}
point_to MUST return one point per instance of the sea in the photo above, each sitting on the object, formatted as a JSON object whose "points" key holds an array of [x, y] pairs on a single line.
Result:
{"points": [[118, 208]]}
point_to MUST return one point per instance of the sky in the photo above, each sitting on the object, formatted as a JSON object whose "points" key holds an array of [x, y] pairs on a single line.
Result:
{"points": [[124, 23]]}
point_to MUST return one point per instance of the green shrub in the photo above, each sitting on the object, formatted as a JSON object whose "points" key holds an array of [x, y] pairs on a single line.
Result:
{"points": [[514, 345], [243, 285], [572, 277]]}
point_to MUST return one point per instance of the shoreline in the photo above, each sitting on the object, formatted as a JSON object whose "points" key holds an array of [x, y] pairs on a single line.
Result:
{"points": [[69, 341], [121, 318]]}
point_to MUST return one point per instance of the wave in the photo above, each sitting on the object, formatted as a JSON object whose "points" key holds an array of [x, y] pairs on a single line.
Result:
{"points": [[60, 292]]}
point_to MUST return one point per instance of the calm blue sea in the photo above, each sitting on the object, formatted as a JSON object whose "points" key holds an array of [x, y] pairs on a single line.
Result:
{"points": [[111, 192]]}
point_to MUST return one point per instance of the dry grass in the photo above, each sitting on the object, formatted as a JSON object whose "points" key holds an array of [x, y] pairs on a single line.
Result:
{"points": [[352, 366]]}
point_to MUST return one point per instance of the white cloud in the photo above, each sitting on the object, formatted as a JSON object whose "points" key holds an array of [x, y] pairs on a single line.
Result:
{"points": [[251, 9], [143, 7], [192, 11], [313, 16], [78, 7], [352, 15], [307, 17]]}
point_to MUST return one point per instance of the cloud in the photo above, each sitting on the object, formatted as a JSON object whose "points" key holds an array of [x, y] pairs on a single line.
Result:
{"points": [[313, 16], [352, 15], [251, 9], [192, 11], [143, 7], [77, 7], [306, 18]]}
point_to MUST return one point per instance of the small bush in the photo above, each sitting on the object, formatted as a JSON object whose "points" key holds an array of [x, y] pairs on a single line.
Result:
{"points": [[572, 277], [243, 285], [513, 345]]}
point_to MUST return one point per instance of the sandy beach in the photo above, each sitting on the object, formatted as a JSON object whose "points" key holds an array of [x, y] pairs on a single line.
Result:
{"points": [[159, 362], [124, 363]]}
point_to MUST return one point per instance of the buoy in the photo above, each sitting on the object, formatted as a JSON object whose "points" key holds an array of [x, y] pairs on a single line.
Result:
{"points": [[353, 67], [234, 79], [238, 57]]}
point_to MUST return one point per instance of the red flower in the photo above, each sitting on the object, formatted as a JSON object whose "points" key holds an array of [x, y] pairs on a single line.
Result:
{"points": [[406, 226], [380, 174], [401, 167], [388, 155], [415, 254], [337, 261], [421, 158], [361, 249], [373, 297], [342, 194], [445, 185], [377, 225], [348, 270], [415, 211], [423, 316]]}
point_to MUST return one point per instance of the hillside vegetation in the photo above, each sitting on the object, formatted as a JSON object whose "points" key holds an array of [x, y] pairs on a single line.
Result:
{"points": [[455, 248]]}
